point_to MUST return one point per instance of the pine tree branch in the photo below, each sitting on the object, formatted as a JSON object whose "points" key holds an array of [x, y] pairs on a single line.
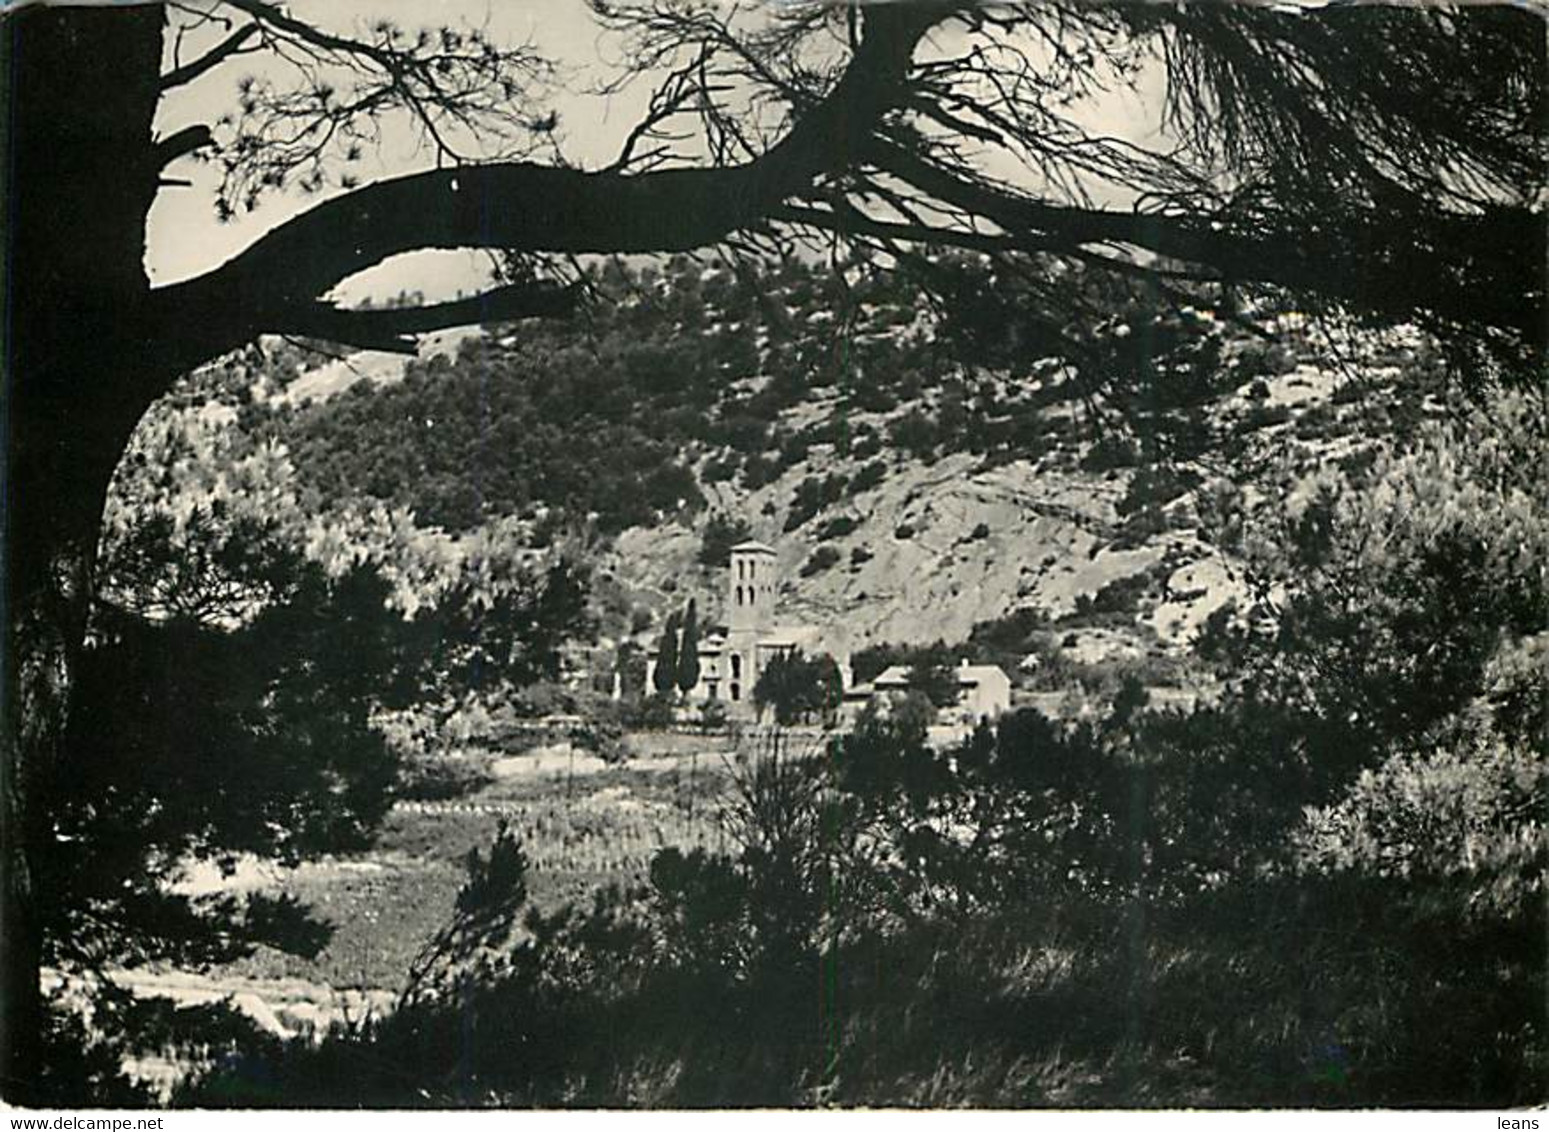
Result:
{"points": [[182, 143], [541, 208], [231, 45], [395, 330], [1483, 271]]}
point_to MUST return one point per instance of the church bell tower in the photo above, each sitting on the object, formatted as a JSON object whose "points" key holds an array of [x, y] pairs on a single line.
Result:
{"points": [[750, 604], [750, 597]]}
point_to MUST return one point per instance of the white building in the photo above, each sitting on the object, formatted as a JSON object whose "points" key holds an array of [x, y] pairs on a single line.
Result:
{"points": [[731, 656], [983, 692]]}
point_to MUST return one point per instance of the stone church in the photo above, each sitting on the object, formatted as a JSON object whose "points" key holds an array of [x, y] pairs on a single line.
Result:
{"points": [[731, 656]]}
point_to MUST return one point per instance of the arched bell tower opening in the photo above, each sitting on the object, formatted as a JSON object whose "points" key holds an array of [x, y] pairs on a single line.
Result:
{"points": [[750, 604]]}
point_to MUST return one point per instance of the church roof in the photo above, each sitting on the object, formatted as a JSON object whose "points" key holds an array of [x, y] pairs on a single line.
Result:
{"points": [[978, 673], [787, 636], [752, 546]]}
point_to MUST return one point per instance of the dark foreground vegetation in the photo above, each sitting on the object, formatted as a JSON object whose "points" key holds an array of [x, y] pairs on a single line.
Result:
{"points": [[1323, 885], [1016, 922]]}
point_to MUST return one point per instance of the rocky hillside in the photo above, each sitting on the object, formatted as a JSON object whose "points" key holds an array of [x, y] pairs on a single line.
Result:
{"points": [[940, 546], [916, 475]]}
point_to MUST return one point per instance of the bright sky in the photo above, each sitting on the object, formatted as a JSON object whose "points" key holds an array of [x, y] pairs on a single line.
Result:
{"points": [[185, 239]]}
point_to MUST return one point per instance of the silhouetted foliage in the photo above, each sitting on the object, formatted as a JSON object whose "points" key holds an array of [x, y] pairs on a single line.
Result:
{"points": [[1299, 905], [282, 662], [484, 915]]}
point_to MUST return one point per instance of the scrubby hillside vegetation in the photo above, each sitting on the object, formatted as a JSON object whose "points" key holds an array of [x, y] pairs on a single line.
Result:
{"points": [[1272, 834], [1323, 888], [924, 474]]}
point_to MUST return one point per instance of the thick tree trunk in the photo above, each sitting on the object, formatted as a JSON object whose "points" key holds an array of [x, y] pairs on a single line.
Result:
{"points": [[83, 92]]}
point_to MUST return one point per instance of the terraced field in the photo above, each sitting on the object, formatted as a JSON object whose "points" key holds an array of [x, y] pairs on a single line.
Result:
{"points": [[583, 823]]}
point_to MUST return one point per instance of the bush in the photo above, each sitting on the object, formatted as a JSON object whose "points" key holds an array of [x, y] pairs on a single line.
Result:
{"points": [[603, 736], [1122, 594], [1266, 416], [712, 716], [721, 469], [812, 495], [441, 779], [649, 713], [821, 559], [871, 475], [1463, 817], [759, 471], [837, 528], [865, 445], [1155, 486], [915, 433], [1110, 453], [873, 398]]}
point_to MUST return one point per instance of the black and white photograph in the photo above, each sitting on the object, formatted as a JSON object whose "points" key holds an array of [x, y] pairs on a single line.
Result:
{"points": [[774, 555]]}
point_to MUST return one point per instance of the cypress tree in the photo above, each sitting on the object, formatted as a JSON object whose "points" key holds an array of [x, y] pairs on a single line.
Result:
{"points": [[688, 650], [665, 678]]}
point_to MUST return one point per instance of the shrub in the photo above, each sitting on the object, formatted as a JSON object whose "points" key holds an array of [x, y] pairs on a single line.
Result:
{"points": [[1266, 416], [812, 495], [865, 445], [720, 469], [821, 559], [1464, 816], [759, 471], [1155, 486], [604, 736], [871, 475], [1110, 453], [915, 433], [712, 716], [837, 528], [649, 713], [1121, 594], [873, 398], [441, 779]]}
